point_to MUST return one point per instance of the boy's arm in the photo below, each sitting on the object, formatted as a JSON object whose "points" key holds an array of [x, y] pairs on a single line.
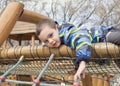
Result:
{"points": [[81, 71], [83, 54]]}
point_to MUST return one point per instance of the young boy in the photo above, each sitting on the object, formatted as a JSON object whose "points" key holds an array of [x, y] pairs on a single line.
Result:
{"points": [[78, 39]]}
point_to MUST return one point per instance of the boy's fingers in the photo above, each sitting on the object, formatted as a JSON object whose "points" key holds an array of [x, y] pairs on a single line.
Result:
{"points": [[83, 76], [75, 78], [79, 76]]}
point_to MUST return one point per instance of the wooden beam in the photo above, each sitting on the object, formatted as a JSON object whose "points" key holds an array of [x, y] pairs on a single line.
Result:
{"points": [[99, 50], [8, 19], [32, 17]]}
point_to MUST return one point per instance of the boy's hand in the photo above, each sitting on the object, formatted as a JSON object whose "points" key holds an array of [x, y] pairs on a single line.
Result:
{"points": [[80, 72]]}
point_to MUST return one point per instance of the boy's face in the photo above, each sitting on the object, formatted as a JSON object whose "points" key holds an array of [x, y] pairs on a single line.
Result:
{"points": [[50, 36]]}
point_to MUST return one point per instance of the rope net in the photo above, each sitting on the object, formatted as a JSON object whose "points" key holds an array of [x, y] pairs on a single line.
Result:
{"points": [[64, 67]]}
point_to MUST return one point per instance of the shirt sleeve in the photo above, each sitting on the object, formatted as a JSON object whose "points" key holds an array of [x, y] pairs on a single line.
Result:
{"points": [[83, 53], [83, 48]]}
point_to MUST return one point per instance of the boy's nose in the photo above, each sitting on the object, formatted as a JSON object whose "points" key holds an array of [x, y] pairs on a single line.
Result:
{"points": [[50, 40]]}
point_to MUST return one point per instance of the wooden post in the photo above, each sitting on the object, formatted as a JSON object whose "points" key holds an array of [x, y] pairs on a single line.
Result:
{"points": [[8, 19], [87, 81], [5, 44], [107, 78], [94, 80], [106, 83], [99, 81], [33, 40]]}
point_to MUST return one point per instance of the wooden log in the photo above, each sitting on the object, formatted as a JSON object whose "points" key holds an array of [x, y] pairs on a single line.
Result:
{"points": [[102, 50], [108, 78], [32, 17], [94, 80], [8, 19], [63, 51], [106, 82], [99, 81], [87, 81]]}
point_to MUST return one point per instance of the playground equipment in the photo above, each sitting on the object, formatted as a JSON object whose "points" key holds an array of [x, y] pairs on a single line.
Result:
{"points": [[101, 69]]}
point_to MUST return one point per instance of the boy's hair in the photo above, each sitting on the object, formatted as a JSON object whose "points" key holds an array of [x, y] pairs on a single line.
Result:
{"points": [[43, 23]]}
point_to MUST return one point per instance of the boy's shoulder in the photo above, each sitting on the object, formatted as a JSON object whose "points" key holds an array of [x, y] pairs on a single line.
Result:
{"points": [[66, 25]]}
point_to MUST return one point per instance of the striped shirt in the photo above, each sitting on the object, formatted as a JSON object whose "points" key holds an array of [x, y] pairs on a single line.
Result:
{"points": [[80, 39]]}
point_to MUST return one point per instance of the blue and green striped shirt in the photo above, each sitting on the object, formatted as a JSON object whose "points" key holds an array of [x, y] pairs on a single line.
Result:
{"points": [[80, 39]]}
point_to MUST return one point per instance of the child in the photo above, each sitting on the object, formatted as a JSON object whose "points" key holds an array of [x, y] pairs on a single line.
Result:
{"points": [[78, 39]]}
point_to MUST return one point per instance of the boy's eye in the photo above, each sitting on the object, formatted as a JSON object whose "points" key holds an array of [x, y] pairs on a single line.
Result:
{"points": [[46, 41], [51, 35]]}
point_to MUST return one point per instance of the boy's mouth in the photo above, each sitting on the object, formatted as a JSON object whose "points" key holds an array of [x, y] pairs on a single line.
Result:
{"points": [[54, 43]]}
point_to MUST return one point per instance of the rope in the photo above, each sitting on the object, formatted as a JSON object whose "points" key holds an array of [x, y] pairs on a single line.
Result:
{"points": [[36, 81], [2, 78]]}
